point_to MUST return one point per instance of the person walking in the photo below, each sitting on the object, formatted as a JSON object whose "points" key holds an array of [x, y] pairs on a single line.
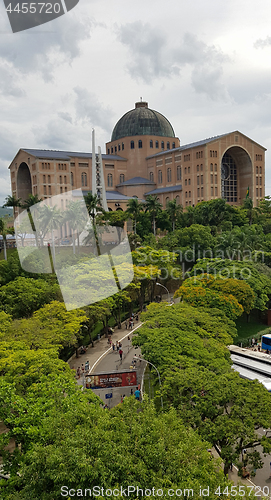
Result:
{"points": [[126, 324], [117, 346], [137, 394], [86, 366], [120, 353], [113, 346]]}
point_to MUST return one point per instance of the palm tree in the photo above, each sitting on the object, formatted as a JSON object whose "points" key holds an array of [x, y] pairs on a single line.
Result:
{"points": [[32, 200], [153, 206], [174, 210], [76, 217], [93, 205], [4, 230], [134, 207], [50, 219], [12, 201]]}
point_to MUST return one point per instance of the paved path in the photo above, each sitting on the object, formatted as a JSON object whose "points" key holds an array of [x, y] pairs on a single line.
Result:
{"points": [[102, 359]]}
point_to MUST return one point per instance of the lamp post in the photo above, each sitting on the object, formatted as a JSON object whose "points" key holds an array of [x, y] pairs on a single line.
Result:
{"points": [[142, 359], [159, 284]]}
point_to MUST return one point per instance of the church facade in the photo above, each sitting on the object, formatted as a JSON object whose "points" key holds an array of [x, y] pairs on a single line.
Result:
{"points": [[145, 157]]}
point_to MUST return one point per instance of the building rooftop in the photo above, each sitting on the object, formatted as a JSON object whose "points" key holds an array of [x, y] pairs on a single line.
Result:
{"points": [[142, 121], [169, 189], [136, 181], [66, 155]]}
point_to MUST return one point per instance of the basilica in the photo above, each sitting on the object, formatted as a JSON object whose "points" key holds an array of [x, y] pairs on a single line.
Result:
{"points": [[144, 157]]}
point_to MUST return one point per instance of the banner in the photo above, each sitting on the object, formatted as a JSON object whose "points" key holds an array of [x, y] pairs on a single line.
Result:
{"points": [[114, 379]]}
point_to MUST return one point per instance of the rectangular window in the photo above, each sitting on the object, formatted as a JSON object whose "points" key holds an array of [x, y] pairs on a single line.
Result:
{"points": [[260, 181], [202, 192], [44, 190], [215, 179], [257, 181], [201, 179], [49, 190], [257, 192], [198, 180], [212, 180], [44, 179], [212, 191]]}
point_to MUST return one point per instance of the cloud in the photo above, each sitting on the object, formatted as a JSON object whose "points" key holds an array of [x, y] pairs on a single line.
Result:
{"points": [[261, 44], [152, 57], [65, 116], [37, 51], [89, 109]]}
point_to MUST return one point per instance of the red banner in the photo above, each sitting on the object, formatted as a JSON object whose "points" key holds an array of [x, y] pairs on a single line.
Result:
{"points": [[116, 379]]}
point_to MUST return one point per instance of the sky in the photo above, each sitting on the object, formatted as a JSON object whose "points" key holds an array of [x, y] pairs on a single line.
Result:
{"points": [[204, 64]]}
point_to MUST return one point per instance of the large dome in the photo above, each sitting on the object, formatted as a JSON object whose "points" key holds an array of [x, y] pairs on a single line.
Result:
{"points": [[142, 121]]}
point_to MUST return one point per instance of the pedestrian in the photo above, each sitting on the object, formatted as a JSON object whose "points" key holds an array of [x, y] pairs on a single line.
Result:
{"points": [[128, 338], [117, 346], [126, 324], [132, 392], [253, 342], [140, 357], [121, 398], [78, 372], [137, 317], [82, 368], [245, 457], [130, 323], [113, 346], [86, 366], [137, 394], [120, 353], [120, 344]]}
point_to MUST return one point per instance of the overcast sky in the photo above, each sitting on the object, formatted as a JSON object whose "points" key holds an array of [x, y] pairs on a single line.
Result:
{"points": [[204, 64]]}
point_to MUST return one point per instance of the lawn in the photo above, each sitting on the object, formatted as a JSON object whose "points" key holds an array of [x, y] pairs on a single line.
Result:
{"points": [[249, 329]]}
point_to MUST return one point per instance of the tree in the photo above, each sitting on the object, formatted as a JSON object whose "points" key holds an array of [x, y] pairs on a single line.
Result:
{"points": [[188, 347], [23, 296], [4, 231], [50, 219], [12, 201], [52, 325], [76, 218], [174, 211], [154, 207], [223, 291], [242, 270], [134, 208], [56, 426]]}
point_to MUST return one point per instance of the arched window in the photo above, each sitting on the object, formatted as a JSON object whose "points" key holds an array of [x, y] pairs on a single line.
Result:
{"points": [[160, 177], [167, 200], [49, 179], [178, 199], [65, 179], [151, 144], [173, 145], [121, 177], [156, 144], [60, 179], [72, 178], [179, 173], [132, 145], [151, 176], [109, 180], [140, 144], [162, 145], [185, 170], [168, 145], [169, 174], [84, 179]]}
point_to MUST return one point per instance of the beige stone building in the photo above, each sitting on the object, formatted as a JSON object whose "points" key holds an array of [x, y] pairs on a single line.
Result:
{"points": [[145, 157]]}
